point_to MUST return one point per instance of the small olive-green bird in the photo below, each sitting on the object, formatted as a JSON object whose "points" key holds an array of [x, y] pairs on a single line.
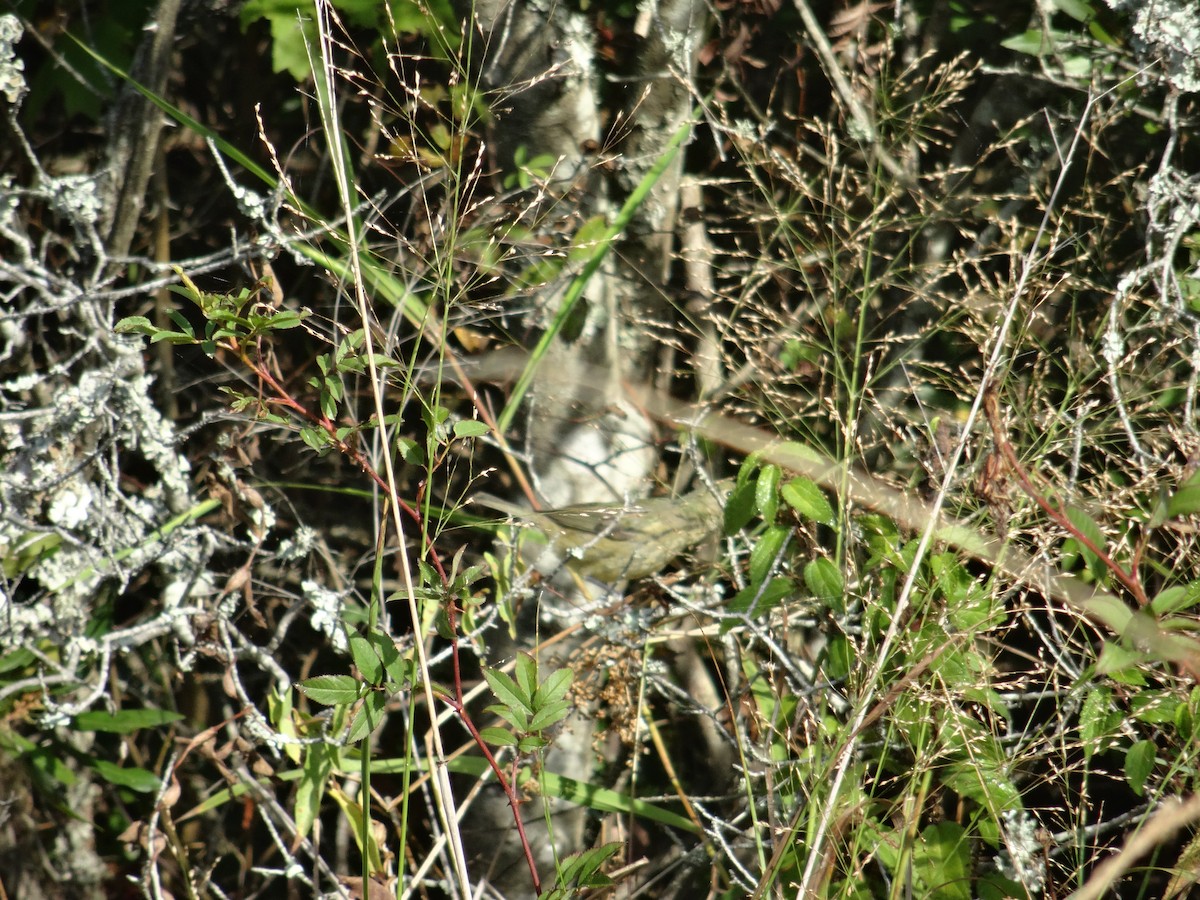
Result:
{"points": [[612, 542]]}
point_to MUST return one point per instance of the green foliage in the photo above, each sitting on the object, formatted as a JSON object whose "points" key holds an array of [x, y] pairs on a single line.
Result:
{"points": [[581, 872], [71, 76], [885, 680], [531, 707], [231, 320], [294, 34]]}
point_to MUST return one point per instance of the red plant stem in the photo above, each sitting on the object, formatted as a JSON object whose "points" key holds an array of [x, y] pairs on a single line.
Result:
{"points": [[285, 399], [458, 702], [992, 411]]}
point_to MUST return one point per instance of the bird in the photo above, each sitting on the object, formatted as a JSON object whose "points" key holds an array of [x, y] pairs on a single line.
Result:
{"points": [[621, 542]]}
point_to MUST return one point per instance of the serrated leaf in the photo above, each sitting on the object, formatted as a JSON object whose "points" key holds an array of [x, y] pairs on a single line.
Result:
{"points": [[808, 500], [555, 687], [330, 690], [498, 737], [514, 717], [525, 671], [507, 691], [410, 451], [549, 715], [582, 870], [369, 664], [368, 717], [395, 666]]}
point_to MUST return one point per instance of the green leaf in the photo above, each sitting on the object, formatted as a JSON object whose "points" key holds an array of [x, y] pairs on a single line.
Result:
{"points": [[18, 659], [27, 551], [766, 551], [1186, 500], [470, 428], [1090, 530], [1154, 707], [739, 508], [396, 667], [330, 690], [942, 862], [316, 438], [368, 717], [134, 325], [1120, 664], [825, 583], [555, 687], [531, 743], [1033, 43], [839, 657], [507, 691], [1079, 10], [766, 493], [1139, 763], [984, 780], [581, 871], [590, 234], [134, 778], [549, 715], [1098, 721], [370, 666], [758, 601], [184, 325], [318, 763], [126, 721], [289, 318], [1176, 599], [515, 717], [526, 673], [498, 737], [410, 451], [174, 337], [808, 500]]}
